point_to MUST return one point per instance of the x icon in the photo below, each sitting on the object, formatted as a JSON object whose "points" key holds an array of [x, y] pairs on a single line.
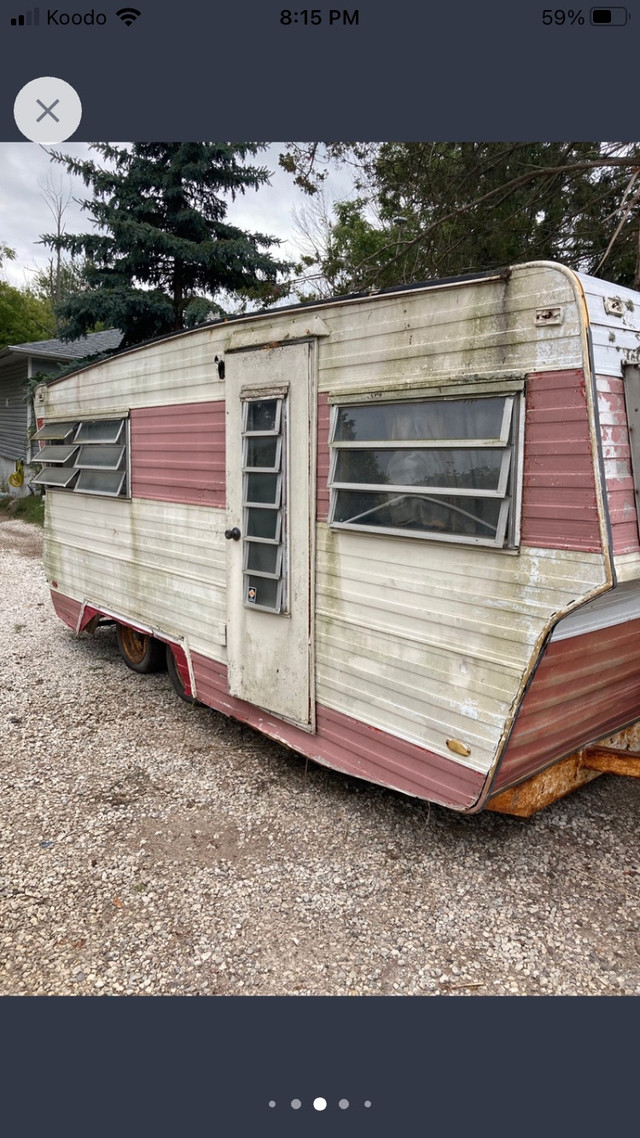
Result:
{"points": [[48, 110]]}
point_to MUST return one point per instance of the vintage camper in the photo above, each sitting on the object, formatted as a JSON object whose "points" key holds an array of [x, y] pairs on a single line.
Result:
{"points": [[397, 532]]}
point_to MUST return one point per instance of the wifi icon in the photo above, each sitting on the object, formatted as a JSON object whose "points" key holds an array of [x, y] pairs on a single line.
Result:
{"points": [[128, 15]]}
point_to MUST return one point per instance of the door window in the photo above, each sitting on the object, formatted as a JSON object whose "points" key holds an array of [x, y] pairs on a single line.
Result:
{"points": [[263, 503]]}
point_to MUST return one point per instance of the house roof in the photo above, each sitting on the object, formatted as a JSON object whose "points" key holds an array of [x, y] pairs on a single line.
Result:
{"points": [[91, 345]]}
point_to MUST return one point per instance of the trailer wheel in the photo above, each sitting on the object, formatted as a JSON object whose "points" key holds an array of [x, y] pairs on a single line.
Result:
{"points": [[140, 652], [176, 678]]}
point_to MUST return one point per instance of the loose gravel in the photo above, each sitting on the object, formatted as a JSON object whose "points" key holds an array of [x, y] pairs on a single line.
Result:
{"points": [[148, 847]]}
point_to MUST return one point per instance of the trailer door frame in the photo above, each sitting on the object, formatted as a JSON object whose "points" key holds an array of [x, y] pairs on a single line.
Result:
{"points": [[270, 428]]}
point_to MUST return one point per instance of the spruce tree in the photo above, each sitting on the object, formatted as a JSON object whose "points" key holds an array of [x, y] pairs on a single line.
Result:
{"points": [[162, 256]]}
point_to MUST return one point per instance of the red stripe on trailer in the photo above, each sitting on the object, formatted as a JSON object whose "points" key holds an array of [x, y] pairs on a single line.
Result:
{"points": [[559, 505], [349, 746], [67, 609], [585, 687], [178, 453]]}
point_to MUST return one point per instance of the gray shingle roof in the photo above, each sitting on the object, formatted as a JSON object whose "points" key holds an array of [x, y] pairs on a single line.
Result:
{"points": [[91, 345]]}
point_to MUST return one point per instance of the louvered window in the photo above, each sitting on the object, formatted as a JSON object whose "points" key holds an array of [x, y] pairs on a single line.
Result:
{"points": [[434, 468], [88, 457], [263, 503]]}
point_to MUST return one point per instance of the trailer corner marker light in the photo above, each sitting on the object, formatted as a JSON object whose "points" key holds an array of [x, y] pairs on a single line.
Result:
{"points": [[458, 748], [609, 17]]}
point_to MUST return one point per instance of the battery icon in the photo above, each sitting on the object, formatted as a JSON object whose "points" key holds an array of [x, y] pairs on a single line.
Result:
{"points": [[612, 17]]}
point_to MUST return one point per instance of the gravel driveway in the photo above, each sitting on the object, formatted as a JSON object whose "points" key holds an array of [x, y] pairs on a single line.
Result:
{"points": [[151, 847]]}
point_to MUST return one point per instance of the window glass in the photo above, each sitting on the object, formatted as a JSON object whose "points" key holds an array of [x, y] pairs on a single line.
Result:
{"points": [[263, 558], [263, 452], [262, 592], [262, 415], [394, 468], [55, 453], [100, 431], [431, 421], [99, 466], [263, 488], [60, 476], [471, 469], [100, 457], [100, 482], [263, 510], [263, 523], [55, 431], [475, 517]]}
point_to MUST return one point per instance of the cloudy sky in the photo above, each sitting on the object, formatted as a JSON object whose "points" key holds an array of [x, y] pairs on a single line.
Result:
{"points": [[24, 215]]}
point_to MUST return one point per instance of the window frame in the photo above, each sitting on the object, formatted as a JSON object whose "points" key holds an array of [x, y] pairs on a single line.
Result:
{"points": [[278, 507], [509, 441], [70, 433]]}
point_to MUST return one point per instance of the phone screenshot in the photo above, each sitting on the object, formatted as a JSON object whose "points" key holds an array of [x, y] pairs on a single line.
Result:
{"points": [[320, 565]]}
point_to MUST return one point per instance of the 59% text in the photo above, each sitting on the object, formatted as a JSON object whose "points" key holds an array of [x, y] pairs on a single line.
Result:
{"points": [[560, 16]]}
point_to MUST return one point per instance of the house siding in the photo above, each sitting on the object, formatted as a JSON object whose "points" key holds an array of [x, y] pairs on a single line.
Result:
{"points": [[13, 411]]}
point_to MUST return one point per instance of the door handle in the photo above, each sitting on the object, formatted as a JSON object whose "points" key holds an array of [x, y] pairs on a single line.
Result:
{"points": [[233, 534]]}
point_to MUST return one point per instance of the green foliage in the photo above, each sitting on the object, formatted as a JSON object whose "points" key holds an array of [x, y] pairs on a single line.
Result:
{"points": [[29, 508], [6, 254], [354, 241], [56, 283], [162, 252], [442, 209], [23, 317]]}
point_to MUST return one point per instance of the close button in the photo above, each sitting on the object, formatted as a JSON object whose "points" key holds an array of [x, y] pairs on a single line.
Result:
{"points": [[47, 110]]}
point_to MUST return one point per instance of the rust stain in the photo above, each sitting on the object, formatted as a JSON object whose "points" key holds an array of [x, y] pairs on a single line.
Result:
{"points": [[607, 760], [544, 788], [616, 754], [626, 740]]}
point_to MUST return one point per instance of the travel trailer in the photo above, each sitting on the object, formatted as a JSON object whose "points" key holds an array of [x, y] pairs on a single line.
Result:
{"points": [[396, 531]]}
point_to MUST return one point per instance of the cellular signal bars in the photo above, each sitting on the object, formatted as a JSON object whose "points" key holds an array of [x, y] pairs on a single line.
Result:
{"points": [[29, 19]]}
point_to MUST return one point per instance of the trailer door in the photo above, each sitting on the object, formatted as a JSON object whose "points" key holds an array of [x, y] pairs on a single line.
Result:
{"points": [[270, 417]]}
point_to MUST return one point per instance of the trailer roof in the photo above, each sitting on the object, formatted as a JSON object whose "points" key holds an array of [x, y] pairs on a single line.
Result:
{"points": [[465, 278], [501, 273]]}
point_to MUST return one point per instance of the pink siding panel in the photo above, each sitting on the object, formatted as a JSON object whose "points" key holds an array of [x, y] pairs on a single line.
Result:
{"points": [[586, 687], [616, 452], [349, 746], [67, 609], [178, 453], [322, 480], [559, 507]]}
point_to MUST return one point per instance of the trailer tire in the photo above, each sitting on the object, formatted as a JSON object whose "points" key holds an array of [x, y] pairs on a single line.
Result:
{"points": [[140, 652], [176, 678]]}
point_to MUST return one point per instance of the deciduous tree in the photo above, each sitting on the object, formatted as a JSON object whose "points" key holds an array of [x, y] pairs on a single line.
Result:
{"points": [[440, 209]]}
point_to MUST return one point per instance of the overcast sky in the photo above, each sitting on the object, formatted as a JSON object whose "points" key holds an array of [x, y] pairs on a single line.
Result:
{"points": [[24, 215]]}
